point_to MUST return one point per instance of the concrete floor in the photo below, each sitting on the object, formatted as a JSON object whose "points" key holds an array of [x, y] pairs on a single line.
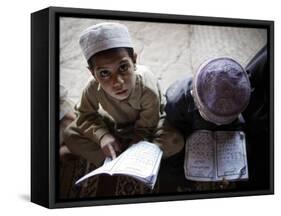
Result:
{"points": [[172, 51]]}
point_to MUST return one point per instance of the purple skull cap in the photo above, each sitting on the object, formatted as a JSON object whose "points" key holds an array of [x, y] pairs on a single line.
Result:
{"points": [[221, 90]]}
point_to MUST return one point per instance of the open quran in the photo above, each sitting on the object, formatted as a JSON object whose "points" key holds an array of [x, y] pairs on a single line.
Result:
{"points": [[216, 155], [140, 161]]}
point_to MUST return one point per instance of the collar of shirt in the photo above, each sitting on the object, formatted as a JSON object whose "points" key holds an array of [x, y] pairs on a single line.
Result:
{"points": [[135, 96]]}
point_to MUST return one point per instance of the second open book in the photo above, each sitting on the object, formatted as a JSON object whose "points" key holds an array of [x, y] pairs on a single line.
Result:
{"points": [[216, 155]]}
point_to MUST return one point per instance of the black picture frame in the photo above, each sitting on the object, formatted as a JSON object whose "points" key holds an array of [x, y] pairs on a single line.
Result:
{"points": [[45, 102]]}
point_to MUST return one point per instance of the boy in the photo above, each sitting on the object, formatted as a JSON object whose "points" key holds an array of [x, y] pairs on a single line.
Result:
{"points": [[122, 105], [213, 101]]}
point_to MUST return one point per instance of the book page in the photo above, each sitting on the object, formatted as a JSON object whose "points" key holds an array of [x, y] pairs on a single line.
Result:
{"points": [[199, 156], [105, 168], [231, 155], [140, 160]]}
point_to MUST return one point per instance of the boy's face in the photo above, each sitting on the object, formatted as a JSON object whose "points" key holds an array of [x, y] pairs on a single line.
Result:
{"points": [[114, 70]]}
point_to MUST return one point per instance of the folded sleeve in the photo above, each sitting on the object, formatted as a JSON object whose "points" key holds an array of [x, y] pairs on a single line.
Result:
{"points": [[149, 114], [90, 123]]}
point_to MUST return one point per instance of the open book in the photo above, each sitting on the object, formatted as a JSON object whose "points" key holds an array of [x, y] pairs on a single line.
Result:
{"points": [[216, 155], [140, 161]]}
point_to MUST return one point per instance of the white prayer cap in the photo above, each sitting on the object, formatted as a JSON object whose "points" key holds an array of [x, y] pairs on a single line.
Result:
{"points": [[221, 90], [104, 36]]}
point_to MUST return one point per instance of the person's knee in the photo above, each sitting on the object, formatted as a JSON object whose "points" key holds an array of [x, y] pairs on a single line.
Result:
{"points": [[67, 119], [69, 137], [79, 144], [169, 138], [66, 149], [66, 155], [67, 134], [174, 143]]}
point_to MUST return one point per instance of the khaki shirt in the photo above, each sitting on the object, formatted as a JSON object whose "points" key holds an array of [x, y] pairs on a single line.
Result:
{"points": [[141, 109]]}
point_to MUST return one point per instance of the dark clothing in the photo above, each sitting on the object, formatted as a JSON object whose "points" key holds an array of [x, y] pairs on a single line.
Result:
{"points": [[257, 121], [258, 71]]}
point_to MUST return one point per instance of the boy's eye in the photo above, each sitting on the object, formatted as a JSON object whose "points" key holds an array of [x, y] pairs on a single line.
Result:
{"points": [[124, 67], [104, 74]]}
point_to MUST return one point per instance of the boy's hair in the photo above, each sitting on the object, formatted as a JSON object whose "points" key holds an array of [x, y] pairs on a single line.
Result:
{"points": [[91, 61]]}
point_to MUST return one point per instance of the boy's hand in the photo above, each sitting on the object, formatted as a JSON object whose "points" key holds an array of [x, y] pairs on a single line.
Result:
{"points": [[110, 146]]}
